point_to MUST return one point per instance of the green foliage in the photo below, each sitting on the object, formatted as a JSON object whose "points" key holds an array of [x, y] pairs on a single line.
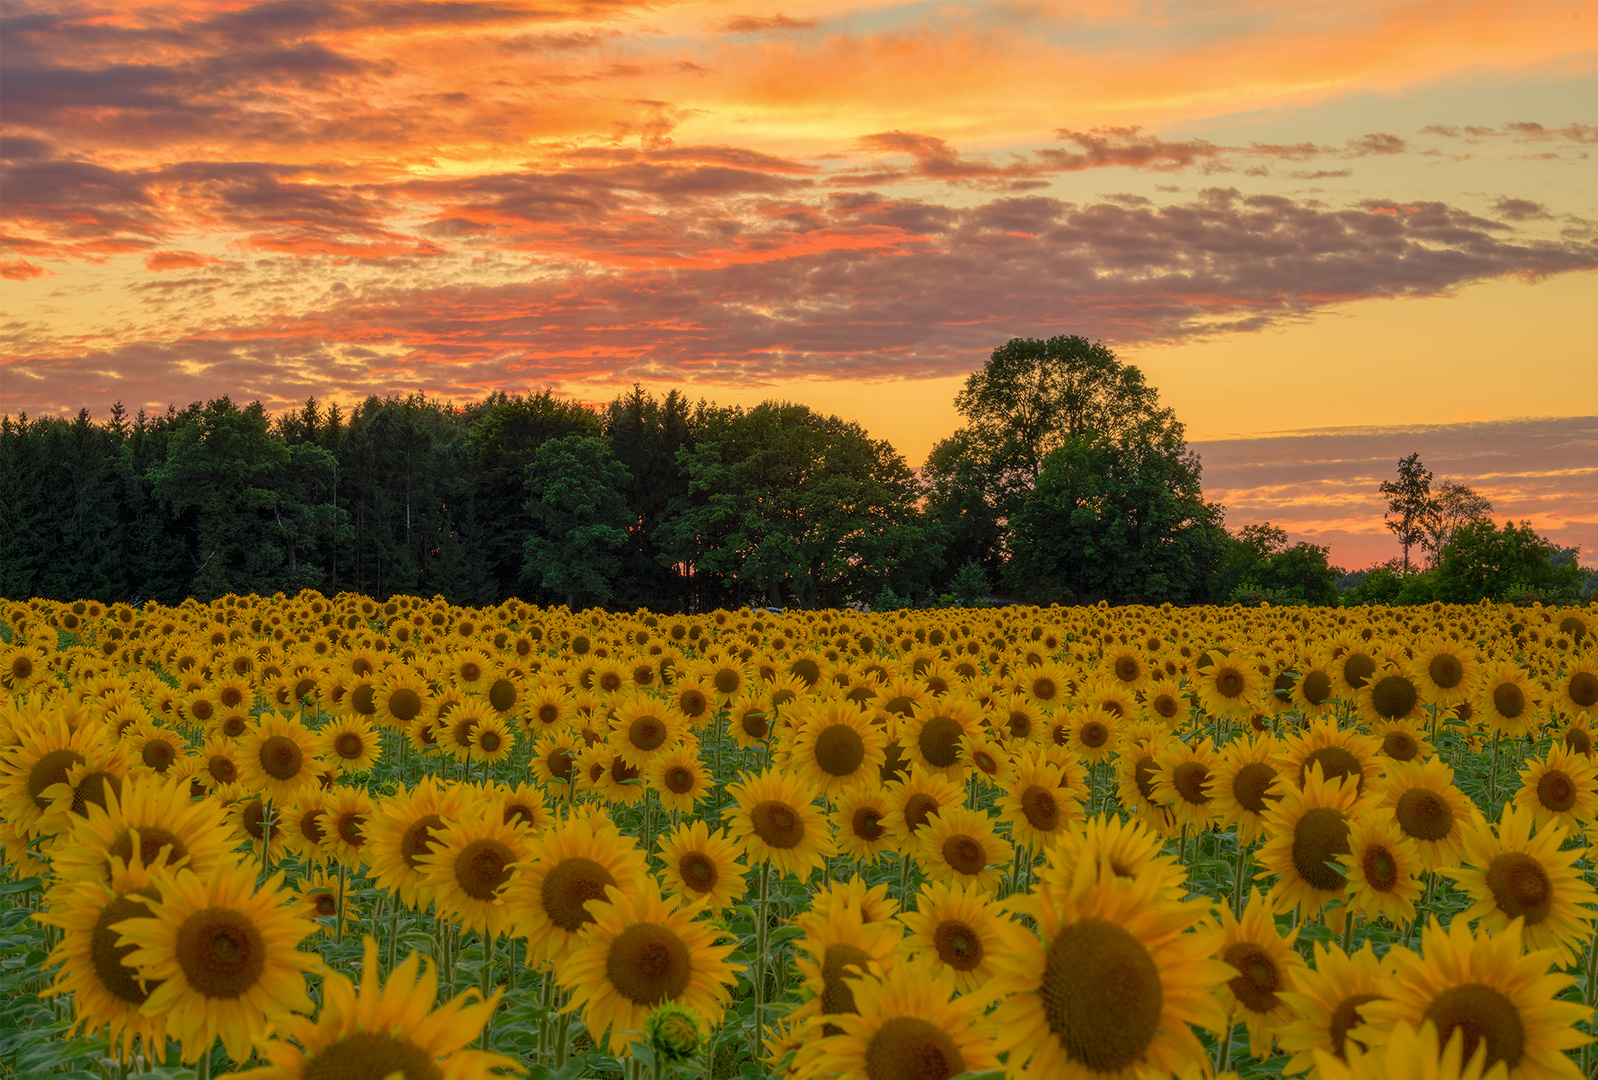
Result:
{"points": [[1482, 562], [578, 519], [1260, 566]]}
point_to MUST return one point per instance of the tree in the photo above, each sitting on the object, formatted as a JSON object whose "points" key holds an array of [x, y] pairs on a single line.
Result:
{"points": [[1453, 506], [1260, 564], [1482, 562], [579, 520], [954, 486], [1032, 397], [1409, 503], [1121, 519]]}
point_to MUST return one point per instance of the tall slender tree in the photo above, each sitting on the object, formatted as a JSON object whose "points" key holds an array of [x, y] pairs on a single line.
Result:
{"points": [[1409, 503]]}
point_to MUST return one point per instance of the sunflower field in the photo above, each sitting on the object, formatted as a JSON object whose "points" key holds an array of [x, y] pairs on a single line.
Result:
{"points": [[316, 838]]}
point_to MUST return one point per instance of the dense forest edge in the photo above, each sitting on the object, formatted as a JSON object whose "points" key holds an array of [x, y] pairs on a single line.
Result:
{"points": [[1069, 483]]}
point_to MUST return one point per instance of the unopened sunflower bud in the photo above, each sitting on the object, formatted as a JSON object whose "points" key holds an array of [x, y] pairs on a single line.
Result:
{"points": [[676, 1033]]}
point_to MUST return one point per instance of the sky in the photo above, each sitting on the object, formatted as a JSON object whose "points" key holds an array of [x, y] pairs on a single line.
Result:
{"points": [[1330, 234]]}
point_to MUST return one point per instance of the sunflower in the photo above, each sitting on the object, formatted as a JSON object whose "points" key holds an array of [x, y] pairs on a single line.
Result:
{"points": [[870, 902], [1048, 684], [305, 827], [492, 739], [1163, 701], [1035, 802], [1429, 809], [1352, 667], [1128, 850], [701, 865], [406, 827], [468, 868], [1266, 966], [643, 729], [1315, 692], [455, 727], [1184, 782], [225, 958], [228, 724], [1561, 786], [679, 777], [1576, 689], [152, 823], [602, 771], [395, 1030], [916, 801], [1229, 687], [776, 820], [749, 719], [933, 734], [321, 896], [1443, 670], [349, 813], [1577, 735], [1120, 973], [254, 823], [961, 845], [1088, 732], [1416, 1055], [908, 1025], [638, 953], [1512, 874], [471, 670], [1403, 740], [1017, 719], [839, 942], [1504, 700], [1247, 781], [1306, 830], [278, 757], [1326, 999], [960, 928], [554, 754], [39, 761], [1339, 752], [1383, 869], [153, 750], [350, 743], [105, 990], [1392, 694], [547, 706], [1484, 987], [569, 866], [859, 820], [836, 746], [728, 679], [521, 807], [695, 701]]}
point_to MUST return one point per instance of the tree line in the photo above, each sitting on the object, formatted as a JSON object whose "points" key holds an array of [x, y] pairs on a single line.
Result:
{"points": [[1069, 482]]}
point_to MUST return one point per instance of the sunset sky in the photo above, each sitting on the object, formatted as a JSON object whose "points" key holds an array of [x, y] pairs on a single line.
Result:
{"points": [[1330, 234]]}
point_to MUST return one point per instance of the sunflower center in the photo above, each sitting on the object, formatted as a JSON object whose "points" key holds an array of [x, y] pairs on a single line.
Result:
{"points": [[280, 757], [1556, 791], [253, 819], [909, 1048], [348, 745], [325, 904], [698, 871], [866, 823], [1317, 687], [840, 750], [1020, 725], [679, 780], [234, 726], [1229, 682], [918, 810], [621, 772], [92, 789], [648, 964], [417, 839], [222, 768], [1093, 734], [1041, 808], [1250, 785], [471, 671], [1164, 705], [1189, 779], [1044, 688], [726, 680], [1583, 689], [350, 829], [1319, 837], [372, 1055], [1381, 869], [965, 854], [569, 886], [940, 741], [1127, 669], [1143, 776], [1509, 700], [1482, 1014], [50, 769], [646, 732], [311, 826], [958, 945], [231, 696], [158, 754], [119, 979], [1400, 745], [1358, 669], [778, 824], [405, 704], [692, 703], [1521, 887], [839, 960], [1336, 762], [1394, 696], [502, 695], [1101, 994], [221, 952], [482, 867], [1345, 1018], [559, 763], [754, 724], [1445, 670], [363, 699], [152, 838], [489, 741], [1257, 978], [1424, 814]]}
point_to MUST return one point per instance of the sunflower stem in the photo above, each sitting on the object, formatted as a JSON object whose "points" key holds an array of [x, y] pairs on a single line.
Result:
{"points": [[1240, 879], [760, 960], [1349, 919], [338, 922], [1223, 1048], [486, 981], [562, 1040]]}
